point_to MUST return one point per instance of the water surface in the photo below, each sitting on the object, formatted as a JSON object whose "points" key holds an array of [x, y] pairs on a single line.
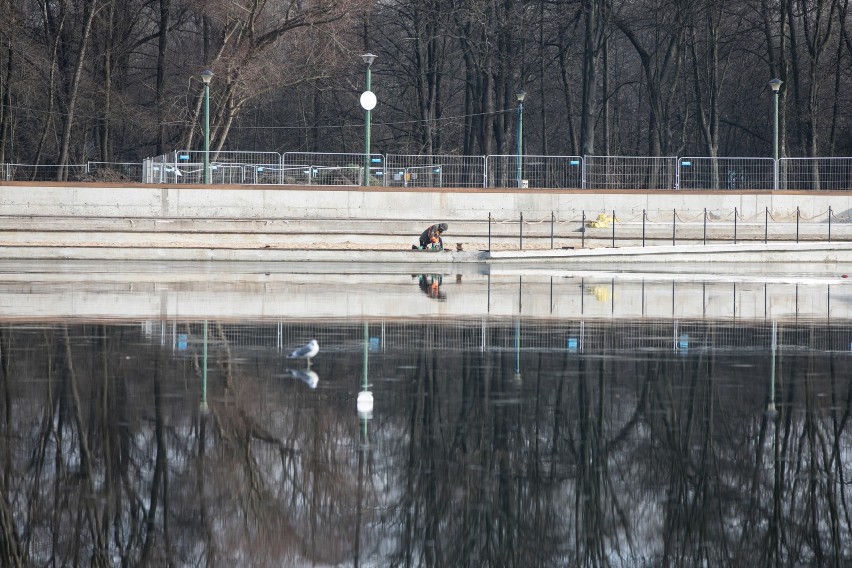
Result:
{"points": [[491, 441]]}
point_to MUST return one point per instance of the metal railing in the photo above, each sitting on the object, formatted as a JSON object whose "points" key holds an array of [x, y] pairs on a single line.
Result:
{"points": [[435, 171], [831, 174], [629, 172], [314, 168], [40, 172], [226, 167], [552, 172], [114, 171], [620, 173], [498, 333], [735, 174]]}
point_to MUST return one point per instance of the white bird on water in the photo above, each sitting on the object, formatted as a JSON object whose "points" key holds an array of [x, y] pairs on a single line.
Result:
{"points": [[307, 351]]}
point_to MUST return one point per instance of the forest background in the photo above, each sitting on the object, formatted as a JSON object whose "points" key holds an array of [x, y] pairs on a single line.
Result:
{"points": [[117, 80]]}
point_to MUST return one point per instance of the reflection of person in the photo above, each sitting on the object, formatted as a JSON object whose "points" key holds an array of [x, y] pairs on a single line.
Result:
{"points": [[432, 236], [431, 286]]}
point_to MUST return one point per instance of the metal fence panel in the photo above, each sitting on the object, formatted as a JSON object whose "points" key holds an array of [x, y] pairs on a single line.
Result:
{"points": [[162, 169], [226, 167], [826, 174], [630, 172], [435, 171], [563, 172], [40, 172], [317, 168], [120, 170], [725, 173], [501, 335], [553, 172]]}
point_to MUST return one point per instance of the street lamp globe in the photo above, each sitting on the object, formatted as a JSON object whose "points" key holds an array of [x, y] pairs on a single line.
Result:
{"points": [[775, 84]]}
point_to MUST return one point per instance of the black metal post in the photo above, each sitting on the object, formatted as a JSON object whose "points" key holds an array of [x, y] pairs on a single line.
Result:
{"points": [[766, 225], [489, 231], [674, 225], [705, 225], [735, 225], [522, 231], [797, 224], [552, 219], [583, 232], [613, 228], [829, 223], [644, 215]]}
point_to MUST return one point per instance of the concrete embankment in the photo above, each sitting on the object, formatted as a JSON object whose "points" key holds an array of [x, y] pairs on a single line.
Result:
{"points": [[345, 224]]}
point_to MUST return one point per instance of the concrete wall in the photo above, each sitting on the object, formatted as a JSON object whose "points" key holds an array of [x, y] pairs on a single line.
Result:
{"points": [[304, 202]]}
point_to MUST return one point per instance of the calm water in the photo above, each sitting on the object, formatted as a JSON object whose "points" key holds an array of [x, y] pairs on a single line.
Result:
{"points": [[490, 442]]}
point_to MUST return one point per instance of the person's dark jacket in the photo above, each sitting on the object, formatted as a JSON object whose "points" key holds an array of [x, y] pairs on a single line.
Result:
{"points": [[433, 231]]}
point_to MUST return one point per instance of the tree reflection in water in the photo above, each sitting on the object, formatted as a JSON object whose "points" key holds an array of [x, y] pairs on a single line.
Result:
{"points": [[629, 450]]}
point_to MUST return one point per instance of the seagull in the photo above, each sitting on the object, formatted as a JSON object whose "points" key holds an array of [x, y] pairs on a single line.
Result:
{"points": [[307, 376], [310, 349]]}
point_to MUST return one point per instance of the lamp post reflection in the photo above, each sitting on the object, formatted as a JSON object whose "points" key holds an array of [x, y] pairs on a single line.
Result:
{"points": [[203, 406], [517, 376], [771, 411], [364, 406]]}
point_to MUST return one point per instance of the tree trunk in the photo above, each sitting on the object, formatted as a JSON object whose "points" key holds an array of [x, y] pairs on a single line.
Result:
{"points": [[596, 16], [56, 34], [62, 170], [162, 50], [106, 153], [7, 66]]}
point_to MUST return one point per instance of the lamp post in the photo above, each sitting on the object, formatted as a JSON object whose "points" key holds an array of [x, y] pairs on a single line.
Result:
{"points": [[206, 76], [521, 95], [775, 84], [368, 103]]}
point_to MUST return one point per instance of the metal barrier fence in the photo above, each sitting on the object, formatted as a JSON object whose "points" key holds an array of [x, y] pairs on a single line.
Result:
{"points": [[311, 168], [503, 335], [226, 167], [448, 171], [105, 171], [40, 172], [628, 172], [435, 171], [552, 172], [830, 174], [726, 173]]}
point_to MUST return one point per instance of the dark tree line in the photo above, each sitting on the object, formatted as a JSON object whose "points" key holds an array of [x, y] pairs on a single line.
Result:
{"points": [[105, 80]]}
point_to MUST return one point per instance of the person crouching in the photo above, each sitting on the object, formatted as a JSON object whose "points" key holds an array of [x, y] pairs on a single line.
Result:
{"points": [[432, 236]]}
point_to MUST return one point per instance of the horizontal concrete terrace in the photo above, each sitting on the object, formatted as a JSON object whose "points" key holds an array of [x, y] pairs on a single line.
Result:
{"points": [[136, 221]]}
